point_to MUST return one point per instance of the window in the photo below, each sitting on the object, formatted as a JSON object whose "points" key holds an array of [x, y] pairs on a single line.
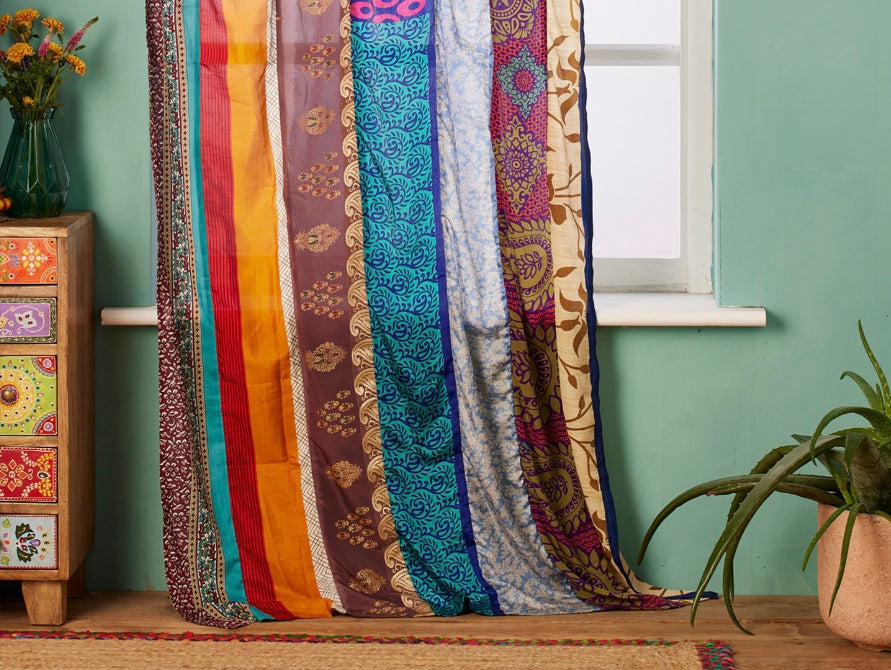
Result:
{"points": [[648, 66]]}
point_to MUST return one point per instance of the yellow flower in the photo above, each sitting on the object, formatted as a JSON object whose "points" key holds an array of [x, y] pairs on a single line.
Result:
{"points": [[24, 17], [55, 51], [4, 23], [54, 25], [77, 64], [18, 51], [28, 101]]}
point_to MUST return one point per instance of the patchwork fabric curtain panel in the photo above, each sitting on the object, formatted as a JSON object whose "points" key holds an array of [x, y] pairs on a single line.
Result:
{"points": [[377, 366]]}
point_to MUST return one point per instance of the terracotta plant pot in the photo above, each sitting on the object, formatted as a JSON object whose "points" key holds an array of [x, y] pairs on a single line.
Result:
{"points": [[862, 610]]}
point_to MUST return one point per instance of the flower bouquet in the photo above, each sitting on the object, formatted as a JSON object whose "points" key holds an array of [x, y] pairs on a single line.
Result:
{"points": [[32, 70]]}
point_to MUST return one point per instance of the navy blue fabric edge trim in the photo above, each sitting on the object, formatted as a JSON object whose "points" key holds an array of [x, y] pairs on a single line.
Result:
{"points": [[588, 225], [445, 329], [708, 595]]}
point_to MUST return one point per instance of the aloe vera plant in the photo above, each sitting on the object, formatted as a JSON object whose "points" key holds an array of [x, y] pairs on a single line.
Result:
{"points": [[858, 481]]}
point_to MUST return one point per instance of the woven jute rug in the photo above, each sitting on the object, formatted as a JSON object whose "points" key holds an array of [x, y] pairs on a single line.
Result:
{"points": [[69, 649]]}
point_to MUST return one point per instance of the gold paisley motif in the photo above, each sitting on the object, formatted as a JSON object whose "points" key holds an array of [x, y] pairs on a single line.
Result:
{"points": [[344, 473], [387, 529], [317, 239], [529, 257], [376, 474], [534, 363], [325, 357]]}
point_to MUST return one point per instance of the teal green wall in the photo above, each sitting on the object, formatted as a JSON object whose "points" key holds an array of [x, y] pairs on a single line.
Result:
{"points": [[804, 223], [104, 133]]}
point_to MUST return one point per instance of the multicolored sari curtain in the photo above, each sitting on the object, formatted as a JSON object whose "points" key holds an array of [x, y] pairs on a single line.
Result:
{"points": [[378, 379]]}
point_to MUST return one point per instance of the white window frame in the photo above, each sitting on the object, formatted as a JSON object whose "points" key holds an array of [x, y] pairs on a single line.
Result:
{"points": [[692, 272]]}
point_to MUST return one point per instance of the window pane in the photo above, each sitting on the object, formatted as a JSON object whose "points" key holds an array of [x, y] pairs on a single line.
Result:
{"points": [[634, 132], [633, 21]]}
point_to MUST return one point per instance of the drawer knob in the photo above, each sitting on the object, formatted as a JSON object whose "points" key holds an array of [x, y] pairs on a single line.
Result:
{"points": [[9, 394]]}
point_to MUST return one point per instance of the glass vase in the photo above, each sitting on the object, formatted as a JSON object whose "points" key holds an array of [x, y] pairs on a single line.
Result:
{"points": [[33, 171]]}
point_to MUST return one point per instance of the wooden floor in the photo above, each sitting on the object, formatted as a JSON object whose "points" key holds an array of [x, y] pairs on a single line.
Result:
{"points": [[788, 631]]}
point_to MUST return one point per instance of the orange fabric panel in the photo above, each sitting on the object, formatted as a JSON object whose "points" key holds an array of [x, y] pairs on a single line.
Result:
{"points": [[264, 342]]}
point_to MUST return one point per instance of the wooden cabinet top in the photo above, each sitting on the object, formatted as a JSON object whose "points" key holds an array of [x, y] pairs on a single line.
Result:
{"points": [[59, 226]]}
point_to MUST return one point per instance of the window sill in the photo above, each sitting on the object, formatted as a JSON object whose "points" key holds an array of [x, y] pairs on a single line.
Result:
{"points": [[613, 309], [672, 309]]}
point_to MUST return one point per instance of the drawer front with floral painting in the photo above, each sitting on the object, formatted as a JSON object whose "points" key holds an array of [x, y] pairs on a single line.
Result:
{"points": [[46, 406], [27, 474], [28, 395], [27, 320], [28, 541], [28, 260]]}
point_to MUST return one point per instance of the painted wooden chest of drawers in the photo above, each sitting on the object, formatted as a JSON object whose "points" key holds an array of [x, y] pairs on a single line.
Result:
{"points": [[46, 408]]}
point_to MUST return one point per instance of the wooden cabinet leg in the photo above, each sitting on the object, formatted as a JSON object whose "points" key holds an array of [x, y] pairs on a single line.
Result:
{"points": [[46, 602]]}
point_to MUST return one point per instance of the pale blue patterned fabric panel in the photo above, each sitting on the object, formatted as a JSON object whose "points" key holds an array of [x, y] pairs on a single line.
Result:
{"points": [[513, 561]]}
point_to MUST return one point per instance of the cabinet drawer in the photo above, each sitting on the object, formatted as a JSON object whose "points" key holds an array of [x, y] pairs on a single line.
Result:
{"points": [[28, 474], [28, 392], [28, 541], [27, 320], [28, 260]]}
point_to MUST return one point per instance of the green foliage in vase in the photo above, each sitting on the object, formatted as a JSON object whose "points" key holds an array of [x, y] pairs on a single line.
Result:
{"points": [[31, 77], [857, 461]]}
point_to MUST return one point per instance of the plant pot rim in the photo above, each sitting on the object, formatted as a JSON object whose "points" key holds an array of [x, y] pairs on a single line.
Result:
{"points": [[866, 514]]}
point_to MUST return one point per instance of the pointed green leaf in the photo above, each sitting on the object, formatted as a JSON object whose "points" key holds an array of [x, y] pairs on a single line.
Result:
{"points": [[686, 496], [814, 487], [753, 501], [820, 494], [881, 423], [765, 464], [872, 397], [822, 529], [833, 461], [886, 393], [728, 589]]}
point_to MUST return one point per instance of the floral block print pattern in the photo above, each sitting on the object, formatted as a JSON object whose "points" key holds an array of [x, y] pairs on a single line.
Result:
{"points": [[28, 401], [27, 475], [28, 541], [28, 260], [28, 320]]}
